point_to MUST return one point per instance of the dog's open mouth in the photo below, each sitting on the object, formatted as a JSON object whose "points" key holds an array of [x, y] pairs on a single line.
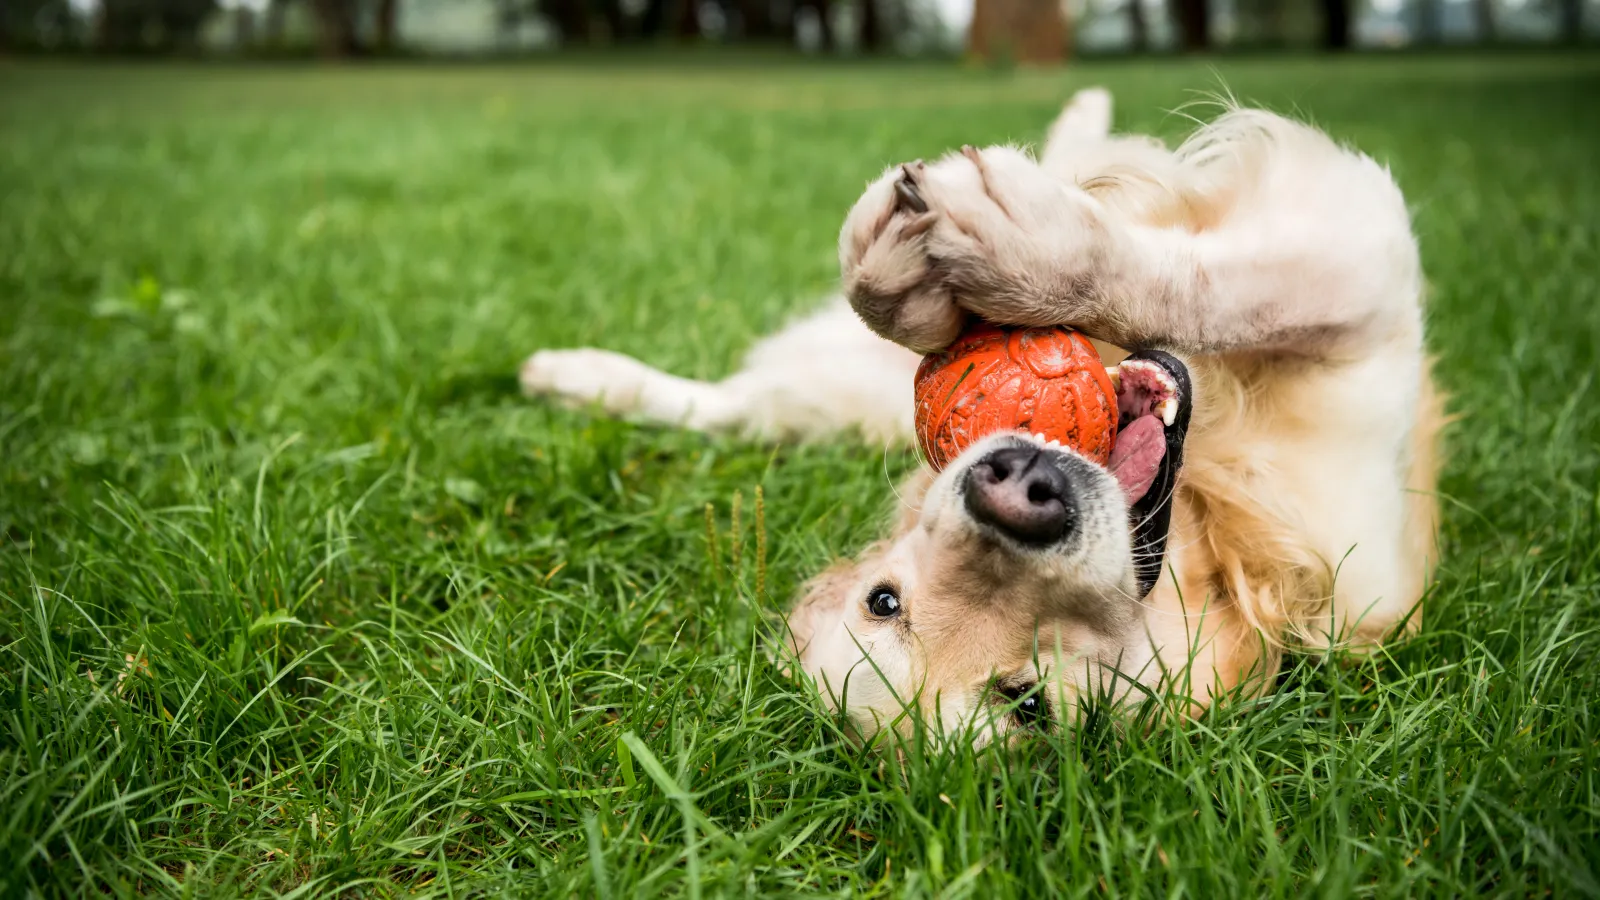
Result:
{"points": [[1154, 401], [1148, 402]]}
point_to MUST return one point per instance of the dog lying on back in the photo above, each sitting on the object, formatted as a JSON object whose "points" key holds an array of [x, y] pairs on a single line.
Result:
{"points": [[1259, 285]]}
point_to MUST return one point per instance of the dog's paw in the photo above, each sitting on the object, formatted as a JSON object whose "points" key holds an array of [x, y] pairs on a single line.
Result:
{"points": [[586, 376], [887, 274], [987, 232]]}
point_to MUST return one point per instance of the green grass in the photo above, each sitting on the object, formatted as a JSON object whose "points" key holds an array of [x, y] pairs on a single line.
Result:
{"points": [[297, 594]]}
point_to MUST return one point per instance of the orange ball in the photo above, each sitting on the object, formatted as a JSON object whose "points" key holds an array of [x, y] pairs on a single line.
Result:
{"points": [[1048, 381]]}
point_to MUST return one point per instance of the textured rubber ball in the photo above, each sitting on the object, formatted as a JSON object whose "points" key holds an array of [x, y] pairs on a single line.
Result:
{"points": [[1046, 381]]}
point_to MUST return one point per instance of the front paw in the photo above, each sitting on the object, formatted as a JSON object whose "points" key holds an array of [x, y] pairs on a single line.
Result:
{"points": [[888, 276], [987, 232]]}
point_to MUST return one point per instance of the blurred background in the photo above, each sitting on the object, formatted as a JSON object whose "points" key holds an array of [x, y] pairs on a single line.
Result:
{"points": [[1000, 31]]}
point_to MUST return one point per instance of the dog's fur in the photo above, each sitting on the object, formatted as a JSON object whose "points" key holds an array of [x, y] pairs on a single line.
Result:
{"points": [[1280, 267]]}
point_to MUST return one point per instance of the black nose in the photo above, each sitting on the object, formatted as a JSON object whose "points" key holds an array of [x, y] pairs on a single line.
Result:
{"points": [[1024, 493]]}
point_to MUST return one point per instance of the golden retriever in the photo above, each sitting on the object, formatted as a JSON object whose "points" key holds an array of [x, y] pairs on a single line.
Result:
{"points": [[1268, 286]]}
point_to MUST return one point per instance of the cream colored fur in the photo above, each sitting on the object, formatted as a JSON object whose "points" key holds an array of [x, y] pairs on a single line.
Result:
{"points": [[1280, 266]]}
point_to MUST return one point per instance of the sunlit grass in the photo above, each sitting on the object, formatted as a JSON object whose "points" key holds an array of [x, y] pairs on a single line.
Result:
{"points": [[297, 593]]}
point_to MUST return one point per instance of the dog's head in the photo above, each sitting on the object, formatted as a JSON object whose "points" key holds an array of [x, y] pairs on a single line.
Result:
{"points": [[1011, 581]]}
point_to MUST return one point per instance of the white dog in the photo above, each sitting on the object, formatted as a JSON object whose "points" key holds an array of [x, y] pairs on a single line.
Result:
{"points": [[1268, 284]]}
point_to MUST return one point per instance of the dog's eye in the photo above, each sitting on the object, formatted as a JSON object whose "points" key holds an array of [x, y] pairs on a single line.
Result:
{"points": [[1030, 709], [883, 602]]}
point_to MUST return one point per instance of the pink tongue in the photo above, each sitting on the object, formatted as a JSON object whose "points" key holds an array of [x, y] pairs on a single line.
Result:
{"points": [[1137, 457]]}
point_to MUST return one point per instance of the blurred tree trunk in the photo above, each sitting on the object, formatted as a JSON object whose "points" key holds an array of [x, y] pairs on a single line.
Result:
{"points": [[1194, 24], [1572, 20], [572, 18], [756, 16], [388, 25], [1336, 24], [508, 16], [180, 22], [1138, 28], [688, 19], [652, 20], [336, 28], [684, 14], [1484, 13], [822, 9], [1028, 31], [1430, 28], [244, 28], [782, 14], [103, 34], [616, 22], [119, 25], [871, 27], [272, 27]]}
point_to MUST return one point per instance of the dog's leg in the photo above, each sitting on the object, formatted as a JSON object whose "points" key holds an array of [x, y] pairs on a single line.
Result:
{"points": [[624, 386], [1083, 125], [1296, 246], [821, 375]]}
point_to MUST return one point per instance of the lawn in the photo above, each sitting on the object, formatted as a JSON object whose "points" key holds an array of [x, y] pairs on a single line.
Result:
{"points": [[298, 594]]}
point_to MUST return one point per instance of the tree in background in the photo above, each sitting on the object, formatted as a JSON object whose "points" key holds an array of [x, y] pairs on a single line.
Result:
{"points": [[158, 25], [272, 24], [1028, 31], [1572, 20], [571, 18], [244, 26], [681, 15], [688, 19], [339, 30], [1023, 30], [1336, 22], [872, 37], [1138, 27], [1261, 23], [1429, 21], [1484, 13], [823, 10], [337, 37], [387, 24], [1194, 24]]}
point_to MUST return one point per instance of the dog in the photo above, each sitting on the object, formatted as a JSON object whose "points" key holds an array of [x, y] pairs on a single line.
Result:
{"points": [[1257, 295]]}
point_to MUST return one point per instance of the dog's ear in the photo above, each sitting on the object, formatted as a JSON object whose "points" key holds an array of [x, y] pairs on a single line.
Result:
{"points": [[825, 592], [1151, 515], [819, 597]]}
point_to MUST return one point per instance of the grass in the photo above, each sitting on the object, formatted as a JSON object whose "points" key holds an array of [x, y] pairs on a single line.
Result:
{"points": [[297, 594]]}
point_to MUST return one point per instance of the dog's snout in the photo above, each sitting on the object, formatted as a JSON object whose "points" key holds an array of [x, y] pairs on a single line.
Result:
{"points": [[1023, 492]]}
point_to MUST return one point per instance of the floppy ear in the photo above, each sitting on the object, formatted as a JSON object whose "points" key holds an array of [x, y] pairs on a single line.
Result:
{"points": [[823, 595], [1151, 515], [820, 597]]}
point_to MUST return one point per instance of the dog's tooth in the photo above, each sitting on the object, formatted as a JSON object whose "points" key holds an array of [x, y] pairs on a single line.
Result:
{"points": [[1169, 410], [1115, 374]]}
